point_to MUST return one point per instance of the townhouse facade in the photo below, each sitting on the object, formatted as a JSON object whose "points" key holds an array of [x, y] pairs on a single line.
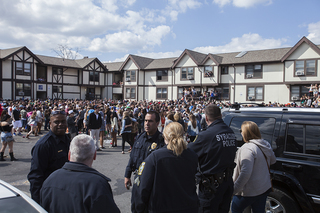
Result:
{"points": [[281, 75]]}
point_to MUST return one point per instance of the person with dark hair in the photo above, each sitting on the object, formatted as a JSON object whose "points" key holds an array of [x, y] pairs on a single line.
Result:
{"points": [[47, 113], [114, 128], [16, 120], [6, 136], [216, 149], [170, 118], [145, 143], [94, 125], [169, 170], [49, 153], [193, 127]]}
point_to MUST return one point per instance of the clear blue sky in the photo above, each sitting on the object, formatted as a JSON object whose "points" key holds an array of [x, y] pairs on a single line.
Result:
{"points": [[112, 29]]}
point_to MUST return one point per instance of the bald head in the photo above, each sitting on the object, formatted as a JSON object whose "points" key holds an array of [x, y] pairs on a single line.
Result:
{"points": [[212, 113]]}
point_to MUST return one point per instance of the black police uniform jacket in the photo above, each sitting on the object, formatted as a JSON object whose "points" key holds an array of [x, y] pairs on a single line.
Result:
{"points": [[77, 188], [48, 154], [166, 183], [141, 149], [215, 147]]}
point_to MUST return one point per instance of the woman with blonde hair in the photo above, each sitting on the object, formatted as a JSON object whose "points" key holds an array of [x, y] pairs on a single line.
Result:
{"points": [[251, 176], [33, 120], [167, 176]]}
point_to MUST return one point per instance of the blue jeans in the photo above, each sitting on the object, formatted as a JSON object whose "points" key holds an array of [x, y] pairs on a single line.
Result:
{"points": [[46, 123], [257, 203]]}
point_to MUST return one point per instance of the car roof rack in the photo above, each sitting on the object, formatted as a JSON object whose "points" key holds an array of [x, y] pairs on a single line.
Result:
{"points": [[237, 105]]}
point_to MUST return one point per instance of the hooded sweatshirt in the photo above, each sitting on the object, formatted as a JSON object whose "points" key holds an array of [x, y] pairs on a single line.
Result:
{"points": [[251, 175]]}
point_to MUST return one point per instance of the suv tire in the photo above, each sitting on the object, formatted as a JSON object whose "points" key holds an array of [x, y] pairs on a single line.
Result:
{"points": [[280, 202]]}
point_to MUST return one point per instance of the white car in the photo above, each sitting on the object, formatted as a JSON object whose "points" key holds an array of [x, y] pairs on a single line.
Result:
{"points": [[12, 200]]}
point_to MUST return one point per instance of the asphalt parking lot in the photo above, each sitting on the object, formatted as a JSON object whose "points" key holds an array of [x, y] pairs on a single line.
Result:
{"points": [[109, 162]]}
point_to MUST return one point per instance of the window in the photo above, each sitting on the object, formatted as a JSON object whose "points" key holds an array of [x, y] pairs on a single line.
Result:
{"points": [[117, 80], [303, 138], [23, 89], [266, 127], [305, 68], [130, 93], [223, 93], [162, 75], [23, 68], [130, 75], [224, 70], [253, 71], [208, 71], [180, 92], [254, 93], [187, 73], [57, 89], [41, 74], [162, 93], [57, 70], [94, 76], [298, 91]]}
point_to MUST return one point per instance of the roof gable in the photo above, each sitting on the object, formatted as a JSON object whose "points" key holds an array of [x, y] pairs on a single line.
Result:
{"points": [[295, 47], [87, 61], [7, 53], [197, 57], [140, 62], [215, 58]]}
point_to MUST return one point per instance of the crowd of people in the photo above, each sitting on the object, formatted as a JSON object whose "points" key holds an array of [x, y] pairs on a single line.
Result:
{"points": [[171, 143]]}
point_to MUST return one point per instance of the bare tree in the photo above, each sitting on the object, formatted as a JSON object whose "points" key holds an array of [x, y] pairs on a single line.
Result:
{"points": [[66, 52]]}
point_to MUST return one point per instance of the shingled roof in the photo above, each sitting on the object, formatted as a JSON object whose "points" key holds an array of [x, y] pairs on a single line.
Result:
{"points": [[270, 55], [142, 62], [7, 52], [55, 61], [196, 56], [163, 63], [114, 66], [85, 61]]}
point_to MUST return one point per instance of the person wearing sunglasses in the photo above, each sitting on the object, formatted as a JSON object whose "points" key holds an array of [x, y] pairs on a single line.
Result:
{"points": [[49, 153]]}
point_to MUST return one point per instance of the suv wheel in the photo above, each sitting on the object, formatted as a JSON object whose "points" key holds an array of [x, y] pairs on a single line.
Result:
{"points": [[280, 202]]}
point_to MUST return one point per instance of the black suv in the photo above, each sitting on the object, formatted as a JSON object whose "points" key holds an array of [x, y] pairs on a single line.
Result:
{"points": [[294, 134]]}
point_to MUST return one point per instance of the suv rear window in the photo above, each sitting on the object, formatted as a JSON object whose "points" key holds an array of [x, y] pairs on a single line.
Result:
{"points": [[265, 124], [303, 138]]}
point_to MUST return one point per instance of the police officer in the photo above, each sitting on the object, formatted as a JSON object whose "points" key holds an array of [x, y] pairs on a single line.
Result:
{"points": [[216, 148], [49, 153], [168, 171], [64, 191], [146, 142]]}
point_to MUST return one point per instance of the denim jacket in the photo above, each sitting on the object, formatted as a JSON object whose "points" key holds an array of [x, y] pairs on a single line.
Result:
{"points": [[190, 130]]}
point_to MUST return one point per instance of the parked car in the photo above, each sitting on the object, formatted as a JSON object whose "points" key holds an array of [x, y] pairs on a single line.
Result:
{"points": [[294, 134], [14, 201]]}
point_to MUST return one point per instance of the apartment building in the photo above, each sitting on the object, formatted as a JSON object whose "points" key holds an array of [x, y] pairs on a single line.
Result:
{"points": [[281, 75]]}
